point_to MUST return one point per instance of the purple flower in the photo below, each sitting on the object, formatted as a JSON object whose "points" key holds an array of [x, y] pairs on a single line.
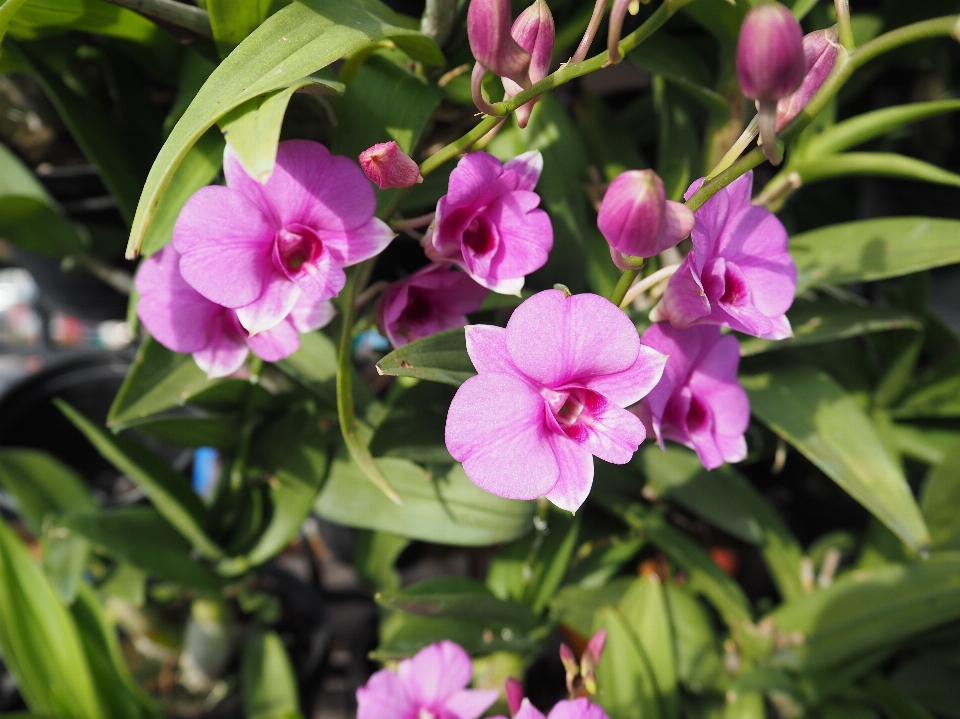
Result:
{"points": [[183, 320], [255, 248], [820, 51], [386, 165], [770, 64], [534, 31], [488, 222], [550, 394], [432, 299], [637, 219], [739, 273], [699, 401], [431, 685], [567, 709]]}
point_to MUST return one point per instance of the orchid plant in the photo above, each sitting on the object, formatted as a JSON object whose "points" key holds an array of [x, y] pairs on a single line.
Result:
{"points": [[595, 370]]}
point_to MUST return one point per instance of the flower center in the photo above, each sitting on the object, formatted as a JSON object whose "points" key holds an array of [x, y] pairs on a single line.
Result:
{"points": [[426, 714], [698, 417], [575, 409], [417, 309], [481, 235], [297, 246], [735, 286]]}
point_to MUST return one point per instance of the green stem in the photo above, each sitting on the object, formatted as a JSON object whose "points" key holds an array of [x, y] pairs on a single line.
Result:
{"points": [[844, 28], [239, 467], [345, 409], [458, 146], [626, 279], [176, 13]]}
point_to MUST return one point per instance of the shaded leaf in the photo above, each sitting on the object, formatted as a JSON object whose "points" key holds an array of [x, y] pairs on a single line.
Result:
{"points": [[267, 680], [940, 499], [881, 164], [441, 357], [627, 686]]}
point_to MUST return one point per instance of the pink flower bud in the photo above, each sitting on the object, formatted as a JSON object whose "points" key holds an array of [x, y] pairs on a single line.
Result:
{"points": [[595, 646], [514, 691], [535, 32], [488, 29], [386, 165], [636, 218], [820, 50], [770, 64]]}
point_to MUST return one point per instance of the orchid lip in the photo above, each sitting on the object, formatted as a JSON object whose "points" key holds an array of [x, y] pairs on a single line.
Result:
{"points": [[297, 247]]}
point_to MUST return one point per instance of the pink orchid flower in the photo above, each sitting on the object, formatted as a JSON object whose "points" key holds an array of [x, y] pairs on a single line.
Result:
{"points": [[430, 685], [183, 320], [488, 222], [739, 274], [432, 299], [256, 248], [550, 394], [699, 402], [566, 709]]}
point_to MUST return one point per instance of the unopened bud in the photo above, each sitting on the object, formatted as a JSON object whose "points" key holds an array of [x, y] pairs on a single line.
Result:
{"points": [[386, 165], [514, 691], [590, 660], [488, 29], [570, 666], [770, 64], [636, 218], [535, 32], [820, 50]]}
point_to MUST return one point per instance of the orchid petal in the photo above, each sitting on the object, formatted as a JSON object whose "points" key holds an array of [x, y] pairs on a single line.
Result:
{"points": [[575, 473], [270, 309], [384, 696], [436, 673], [471, 703]]}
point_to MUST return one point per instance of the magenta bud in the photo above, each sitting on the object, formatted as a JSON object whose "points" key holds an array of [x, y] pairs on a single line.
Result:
{"points": [[386, 165], [770, 65], [488, 29], [535, 32], [637, 219], [514, 691], [595, 647], [569, 660], [820, 50], [770, 59]]}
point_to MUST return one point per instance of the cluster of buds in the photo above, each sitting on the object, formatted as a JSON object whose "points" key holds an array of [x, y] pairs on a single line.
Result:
{"points": [[770, 65], [519, 54], [638, 220]]}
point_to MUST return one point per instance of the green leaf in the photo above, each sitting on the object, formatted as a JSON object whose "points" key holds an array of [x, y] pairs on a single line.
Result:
{"points": [[402, 635], [628, 688], [679, 162], [140, 536], [95, 133], [807, 408], [315, 366], [7, 11], [940, 500], [724, 498], [170, 492], [253, 129], [644, 606], [267, 680], [125, 698], [869, 250], [15, 178], [292, 44], [458, 598], [870, 125], [42, 486], [294, 451], [440, 357], [881, 164], [39, 641], [935, 394], [446, 508], [699, 664], [826, 320], [36, 226], [611, 146], [200, 165], [158, 379], [414, 425], [931, 678], [232, 20], [64, 562], [374, 557], [677, 62], [866, 610], [704, 576], [221, 431]]}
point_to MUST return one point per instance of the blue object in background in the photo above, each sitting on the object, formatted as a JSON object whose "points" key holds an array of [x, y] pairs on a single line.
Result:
{"points": [[206, 469], [368, 345]]}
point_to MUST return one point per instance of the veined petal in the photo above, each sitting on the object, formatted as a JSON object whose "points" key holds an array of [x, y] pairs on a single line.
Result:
{"points": [[528, 711], [275, 343], [225, 244], [526, 235], [474, 181], [495, 427], [384, 696], [559, 340], [471, 703], [580, 708], [320, 279], [575, 473], [435, 673], [632, 384], [523, 171], [685, 300], [308, 315], [222, 356], [487, 347], [361, 243], [606, 430], [271, 307]]}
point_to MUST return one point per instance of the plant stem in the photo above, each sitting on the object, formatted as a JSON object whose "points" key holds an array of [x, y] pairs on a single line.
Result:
{"points": [[620, 291], [345, 410], [176, 13], [844, 27], [455, 148], [239, 467]]}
